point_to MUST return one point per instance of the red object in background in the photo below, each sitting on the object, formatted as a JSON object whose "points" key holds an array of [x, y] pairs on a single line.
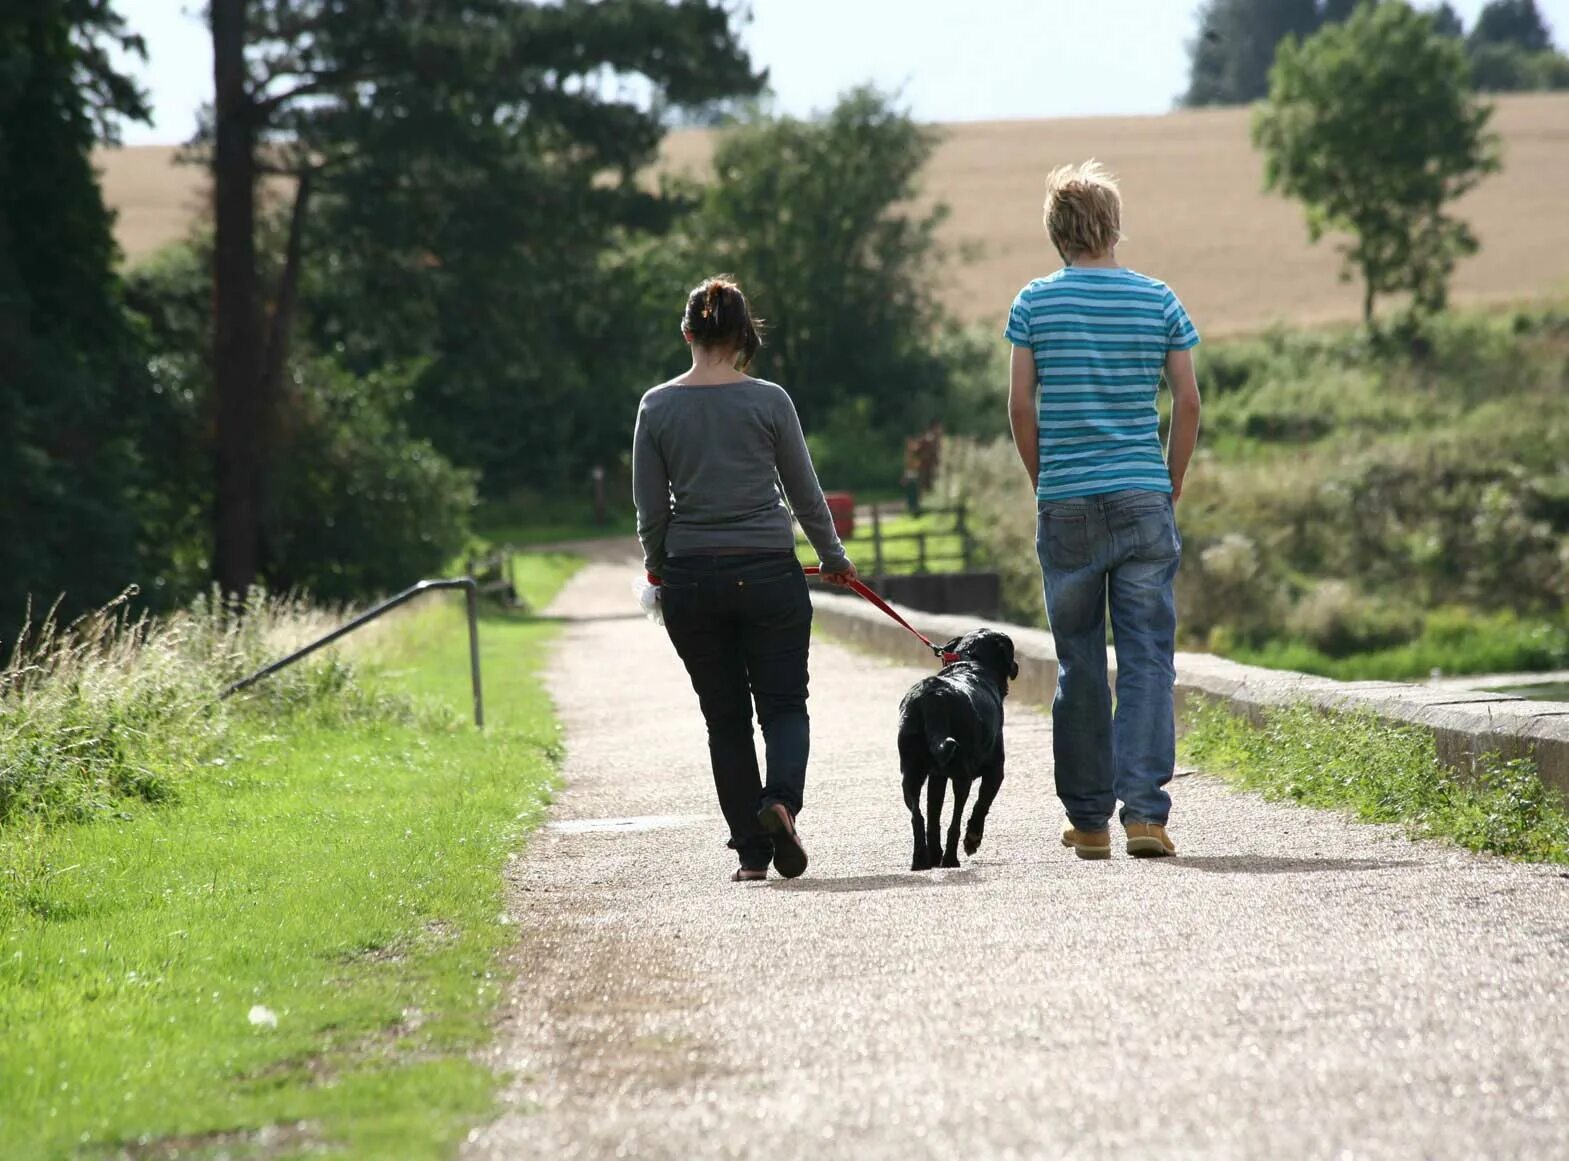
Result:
{"points": [[841, 506]]}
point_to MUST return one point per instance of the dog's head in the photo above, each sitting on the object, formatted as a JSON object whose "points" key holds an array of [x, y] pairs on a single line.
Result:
{"points": [[991, 651]]}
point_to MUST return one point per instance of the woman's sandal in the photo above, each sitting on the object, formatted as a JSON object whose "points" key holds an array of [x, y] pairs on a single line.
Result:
{"points": [[749, 874]]}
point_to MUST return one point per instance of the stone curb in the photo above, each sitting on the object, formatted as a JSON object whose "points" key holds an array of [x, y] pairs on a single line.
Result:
{"points": [[1465, 724]]}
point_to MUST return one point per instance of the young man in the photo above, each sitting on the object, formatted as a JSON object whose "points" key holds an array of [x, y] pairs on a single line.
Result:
{"points": [[1090, 343]]}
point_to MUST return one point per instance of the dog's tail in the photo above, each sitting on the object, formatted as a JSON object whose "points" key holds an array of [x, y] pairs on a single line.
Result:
{"points": [[942, 744]]}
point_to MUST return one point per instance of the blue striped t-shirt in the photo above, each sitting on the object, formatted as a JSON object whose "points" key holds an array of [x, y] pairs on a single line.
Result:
{"points": [[1100, 336]]}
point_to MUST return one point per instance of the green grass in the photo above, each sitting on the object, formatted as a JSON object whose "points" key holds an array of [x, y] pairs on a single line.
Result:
{"points": [[343, 874], [944, 546], [1382, 773]]}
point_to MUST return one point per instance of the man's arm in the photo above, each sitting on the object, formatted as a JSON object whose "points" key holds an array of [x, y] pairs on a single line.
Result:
{"points": [[1023, 417], [1185, 407]]}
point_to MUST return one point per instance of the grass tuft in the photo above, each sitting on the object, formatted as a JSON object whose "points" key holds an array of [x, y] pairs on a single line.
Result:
{"points": [[1382, 773], [114, 710]]}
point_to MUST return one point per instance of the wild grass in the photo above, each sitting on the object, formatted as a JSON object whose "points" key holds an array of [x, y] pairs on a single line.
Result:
{"points": [[116, 709], [1382, 773], [293, 952]]}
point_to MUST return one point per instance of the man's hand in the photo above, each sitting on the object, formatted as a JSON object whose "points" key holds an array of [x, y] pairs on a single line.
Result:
{"points": [[1176, 488], [842, 578]]}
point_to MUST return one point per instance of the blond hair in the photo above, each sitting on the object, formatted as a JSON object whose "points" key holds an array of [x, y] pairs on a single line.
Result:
{"points": [[1083, 210]]}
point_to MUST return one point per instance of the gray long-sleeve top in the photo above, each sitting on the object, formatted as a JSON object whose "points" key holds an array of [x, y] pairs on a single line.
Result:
{"points": [[707, 465]]}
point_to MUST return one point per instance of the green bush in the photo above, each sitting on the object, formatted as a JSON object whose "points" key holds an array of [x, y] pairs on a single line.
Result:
{"points": [[851, 451], [1451, 641], [360, 506], [1348, 491], [1337, 620]]}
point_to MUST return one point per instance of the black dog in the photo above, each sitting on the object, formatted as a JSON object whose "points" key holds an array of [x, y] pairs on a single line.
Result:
{"points": [[950, 729]]}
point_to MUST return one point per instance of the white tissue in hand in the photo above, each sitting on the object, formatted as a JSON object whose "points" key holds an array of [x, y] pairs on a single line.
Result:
{"points": [[648, 599]]}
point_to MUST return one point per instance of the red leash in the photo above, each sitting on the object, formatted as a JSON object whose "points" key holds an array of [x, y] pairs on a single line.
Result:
{"points": [[866, 593]]}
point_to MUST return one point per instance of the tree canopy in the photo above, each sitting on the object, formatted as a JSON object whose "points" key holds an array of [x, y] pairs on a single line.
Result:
{"points": [[464, 164], [71, 375], [1383, 171], [1510, 47]]}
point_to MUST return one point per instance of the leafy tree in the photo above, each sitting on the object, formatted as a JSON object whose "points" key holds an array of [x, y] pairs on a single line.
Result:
{"points": [[70, 364], [1507, 68], [1512, 22], [818, 219], [1334, 11], [1447, 22], [1512, 50], [1373, 126], [359, 505], [1235, 47], [472, 156]]}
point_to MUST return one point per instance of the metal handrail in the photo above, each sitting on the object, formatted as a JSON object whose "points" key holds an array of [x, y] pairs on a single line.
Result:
{"points": [[471, 592]]}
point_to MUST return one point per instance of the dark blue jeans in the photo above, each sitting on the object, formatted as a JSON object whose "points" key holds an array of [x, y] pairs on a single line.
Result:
{"points": [[1121, 551], [742, 625]]}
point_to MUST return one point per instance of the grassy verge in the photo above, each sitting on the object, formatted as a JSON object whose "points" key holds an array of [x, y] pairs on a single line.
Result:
{"points": [[1382, 773], [291, 952]]}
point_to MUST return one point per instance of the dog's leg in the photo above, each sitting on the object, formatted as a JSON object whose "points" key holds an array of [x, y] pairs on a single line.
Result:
{"points": [[921, 860], [991, 782], [936, 788], [961, 791], [914, 761]]}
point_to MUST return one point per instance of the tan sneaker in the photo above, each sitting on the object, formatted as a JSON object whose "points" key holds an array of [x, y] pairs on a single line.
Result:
{"points": [[1149, 840], [1088, 844]]}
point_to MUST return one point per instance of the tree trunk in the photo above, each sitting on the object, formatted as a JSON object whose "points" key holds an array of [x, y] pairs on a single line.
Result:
{"points": [[279, 327], [1367, 302], [286, 298], [237, 321]]}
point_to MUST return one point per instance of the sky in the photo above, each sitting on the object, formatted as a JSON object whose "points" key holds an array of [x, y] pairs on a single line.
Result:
{"points": [[950, 60]]}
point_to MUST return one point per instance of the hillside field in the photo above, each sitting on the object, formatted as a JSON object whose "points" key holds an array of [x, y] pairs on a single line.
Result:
{"points": [[1196, 212]]}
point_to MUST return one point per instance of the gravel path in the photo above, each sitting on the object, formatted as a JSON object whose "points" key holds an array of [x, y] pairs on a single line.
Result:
{"points": [[1294, 985]]}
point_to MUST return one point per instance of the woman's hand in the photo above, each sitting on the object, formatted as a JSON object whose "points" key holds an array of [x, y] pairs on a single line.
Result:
{"points": [[843, 577]]}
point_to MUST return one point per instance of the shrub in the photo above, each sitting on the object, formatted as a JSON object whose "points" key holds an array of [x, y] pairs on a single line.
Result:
{"points": [[850, 451], [1337, 620], [360, 505], [987, 479]]}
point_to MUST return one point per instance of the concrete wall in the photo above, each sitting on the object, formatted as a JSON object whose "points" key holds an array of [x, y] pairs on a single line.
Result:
{"points": [[1464, 724]]}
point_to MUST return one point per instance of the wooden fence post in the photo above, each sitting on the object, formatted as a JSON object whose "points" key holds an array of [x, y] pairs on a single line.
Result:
{"points": [[877, 543]]}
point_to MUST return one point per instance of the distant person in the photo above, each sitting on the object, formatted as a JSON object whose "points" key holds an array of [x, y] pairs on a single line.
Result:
{"points": [[910, 481], [1089, 345], [931, 455], [712, 448]]}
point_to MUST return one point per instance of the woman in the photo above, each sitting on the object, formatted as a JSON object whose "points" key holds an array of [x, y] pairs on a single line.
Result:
{"points": [[712, 448]]}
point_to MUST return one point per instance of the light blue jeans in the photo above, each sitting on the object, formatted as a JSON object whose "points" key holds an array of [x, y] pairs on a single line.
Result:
{"points": [[1121, 551]]}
